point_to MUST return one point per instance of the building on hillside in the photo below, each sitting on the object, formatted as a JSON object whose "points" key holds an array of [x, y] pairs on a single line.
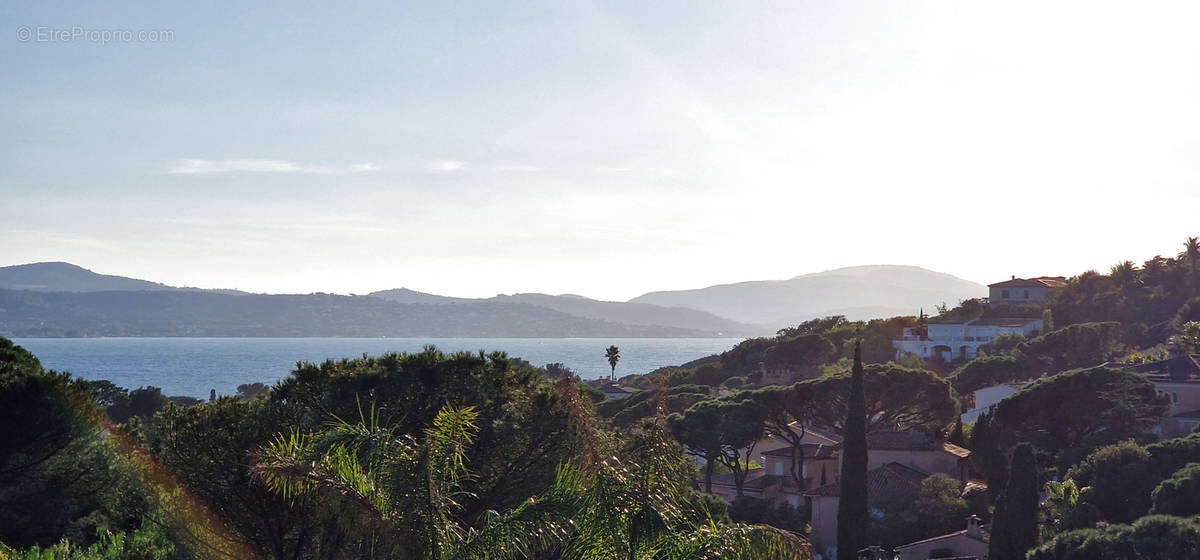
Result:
{"points": [[1179, 377], [960, 339], [886, 483], [919, 450], [774, 481], [987, 397], [971, 542], [616, 391], [1023, 291], [897, 463]]}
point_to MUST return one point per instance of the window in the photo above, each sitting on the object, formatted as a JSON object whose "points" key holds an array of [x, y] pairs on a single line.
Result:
{"points": [[1026, 294], [1004, 294], [779, 468]]}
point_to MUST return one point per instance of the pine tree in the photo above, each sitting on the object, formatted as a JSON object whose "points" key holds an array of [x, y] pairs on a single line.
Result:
{"points": [[852, 503], [1014, 528]]}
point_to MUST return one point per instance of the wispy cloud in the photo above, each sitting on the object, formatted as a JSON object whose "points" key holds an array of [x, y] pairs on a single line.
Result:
{"points": [[520, 168], [203, 166], [445, 165]]}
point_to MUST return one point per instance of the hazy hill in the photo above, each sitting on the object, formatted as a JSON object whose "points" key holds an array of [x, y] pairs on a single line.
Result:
{"points": [[631, 313], [405, 295], [640, 314], [194, 313], [66, 277], [860, 292]]}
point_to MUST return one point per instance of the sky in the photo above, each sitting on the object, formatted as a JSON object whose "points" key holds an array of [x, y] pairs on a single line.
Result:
{"points": [[596, 148]]}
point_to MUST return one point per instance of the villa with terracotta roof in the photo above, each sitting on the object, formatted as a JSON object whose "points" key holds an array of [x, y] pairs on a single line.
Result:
{"points": [[1018, 291], [959, 339]]}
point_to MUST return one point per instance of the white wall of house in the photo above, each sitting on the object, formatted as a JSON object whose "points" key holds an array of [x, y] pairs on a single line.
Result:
{"points": [[985, 399], [1017, 295], [952, 341]]}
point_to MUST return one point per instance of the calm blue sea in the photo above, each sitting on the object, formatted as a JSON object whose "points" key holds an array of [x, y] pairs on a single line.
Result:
{"points": [[193, 366]]}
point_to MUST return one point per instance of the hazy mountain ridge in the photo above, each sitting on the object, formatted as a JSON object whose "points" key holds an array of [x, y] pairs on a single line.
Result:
{"points": [[893, 289], [640, 314], [61, 299], [67, 277], [191, 313]]}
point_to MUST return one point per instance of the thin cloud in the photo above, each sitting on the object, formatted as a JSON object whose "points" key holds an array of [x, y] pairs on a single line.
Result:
{"points": [[445, 165], [208, 166], [520, 168]]}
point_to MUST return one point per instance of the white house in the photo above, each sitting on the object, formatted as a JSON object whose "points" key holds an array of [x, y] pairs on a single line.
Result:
{"points": [[987, 397], [961, 339]]}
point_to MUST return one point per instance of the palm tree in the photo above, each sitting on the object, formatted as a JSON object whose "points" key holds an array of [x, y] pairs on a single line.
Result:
{"points": [[626, 505], [400, 489], [1191, 250], [614, 355]]}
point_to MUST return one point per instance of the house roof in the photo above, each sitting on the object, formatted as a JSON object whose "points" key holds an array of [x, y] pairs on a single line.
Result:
{"points": [[1039, 282], [951, 536], [914, 440], [811, 451], [1189, 415], [892, 477], [1180, 369], [756, 479], [1003, 322], [617, 389]]}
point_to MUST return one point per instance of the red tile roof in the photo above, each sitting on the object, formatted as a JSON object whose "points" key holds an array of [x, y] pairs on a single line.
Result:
{"points": [[915, 440], [890, 478]]}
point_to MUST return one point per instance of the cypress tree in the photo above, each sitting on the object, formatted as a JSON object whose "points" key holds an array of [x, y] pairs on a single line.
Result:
{"points": [[1014, 528], [956, 435], [852, 503]]}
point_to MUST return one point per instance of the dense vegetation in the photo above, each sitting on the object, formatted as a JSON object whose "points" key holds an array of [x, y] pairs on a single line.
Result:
{"points": [[433, 455], [425, 455]]}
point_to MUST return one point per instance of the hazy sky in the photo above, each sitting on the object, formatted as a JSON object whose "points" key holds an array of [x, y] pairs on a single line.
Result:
{"points": [[606, 149]]}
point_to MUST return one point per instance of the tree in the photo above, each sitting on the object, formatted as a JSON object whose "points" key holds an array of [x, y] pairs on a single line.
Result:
{"points": [[897, 398], [1154, 537], [1073, 346], [1191, 250], [1066, 415], [788, 411], [613, 355], [719, 430], [1179, 494], [987, 372], [523, 428], [630, 504], [1014, 528], [956, 435], [250, 391], [803, 351], [206, 446], [852, 504], [1118, 480]]}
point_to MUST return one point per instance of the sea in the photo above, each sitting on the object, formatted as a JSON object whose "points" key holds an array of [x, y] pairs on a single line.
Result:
{"points": [[194, 366]]}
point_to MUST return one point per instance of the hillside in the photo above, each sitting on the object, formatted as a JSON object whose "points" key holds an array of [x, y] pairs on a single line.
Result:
{"points": [[640, 314], [66, 277], [861, 292], [190, 313]]}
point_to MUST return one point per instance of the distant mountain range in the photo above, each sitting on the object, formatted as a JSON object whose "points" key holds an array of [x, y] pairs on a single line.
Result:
{"points": [[61, 299], [859, 292]]}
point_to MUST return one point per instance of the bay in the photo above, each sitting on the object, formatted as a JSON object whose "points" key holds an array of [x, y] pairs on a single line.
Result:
{"points": [[193, 366]]}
